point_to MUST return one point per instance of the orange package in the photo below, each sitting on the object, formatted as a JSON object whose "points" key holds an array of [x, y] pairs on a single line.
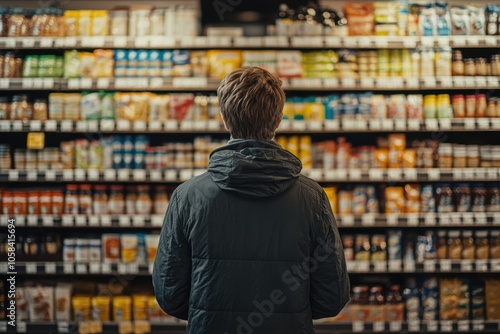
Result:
{"points": [[394, 200], [360, 19]]}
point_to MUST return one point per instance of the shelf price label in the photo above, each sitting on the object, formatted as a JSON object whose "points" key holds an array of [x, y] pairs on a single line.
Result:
{"points": [[93, 221], [358, 326], [395, 326], [380, 266], [94, 268], [392, 219], [395, 265], [478, 325], [139, 221], [347, 220], [81, 221], [481, 265], [81, 269], [429, 265], [68, 268], [446, 326], [31, 268], [21, 327], [445, 265], [368, 220], [124, 221]]}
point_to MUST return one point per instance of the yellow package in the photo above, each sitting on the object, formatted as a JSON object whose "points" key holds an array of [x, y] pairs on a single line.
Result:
{"points": [[409, 158], [222, 62], [288, 111], [101, 308], [100, 23], [104, 63], [331, 193], [72, 22], [122, 308], [345, 202], [155, 313], [293, 145], [397, 141], [85, 23], [81, 308], [140, 307], [394, 200], [87, 64], [305, 151], [314, 112], [381, 157], [282, 141], [412, 195]]}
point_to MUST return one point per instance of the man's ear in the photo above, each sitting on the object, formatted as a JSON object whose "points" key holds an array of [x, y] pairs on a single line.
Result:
{"points": [[224, 121]]}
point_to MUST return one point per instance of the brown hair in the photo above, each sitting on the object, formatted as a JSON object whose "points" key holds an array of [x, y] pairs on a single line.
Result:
{"points": [[251, 101]]}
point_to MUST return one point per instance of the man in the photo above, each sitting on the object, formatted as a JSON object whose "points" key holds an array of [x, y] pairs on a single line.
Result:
{"points": [[252, 245]]}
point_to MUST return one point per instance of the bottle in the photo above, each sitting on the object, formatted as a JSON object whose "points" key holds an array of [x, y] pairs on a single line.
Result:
{"points": [[85, 199], [394, 307], [376, 306], [284, 21], [359, 303], [71, 200]]}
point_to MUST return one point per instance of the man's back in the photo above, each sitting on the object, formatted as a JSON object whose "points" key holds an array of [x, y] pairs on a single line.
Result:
{"points": [[263, 256]]}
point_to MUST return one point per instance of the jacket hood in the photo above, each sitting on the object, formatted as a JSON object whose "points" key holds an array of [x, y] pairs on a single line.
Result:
{"points": [[254, 168]]}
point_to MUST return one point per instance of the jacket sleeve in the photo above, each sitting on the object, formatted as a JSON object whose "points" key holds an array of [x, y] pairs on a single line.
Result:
{"points": [[330, 286], [172, 266]]}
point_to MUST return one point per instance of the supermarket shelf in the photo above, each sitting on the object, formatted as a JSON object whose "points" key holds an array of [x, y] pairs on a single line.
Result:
{"points": [[155, 221], [211, 85], [320, 175], [477, 326], [353, 267], [267, 42], [215, 126]]}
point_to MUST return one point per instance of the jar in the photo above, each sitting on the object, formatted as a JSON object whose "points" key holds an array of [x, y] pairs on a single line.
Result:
{"points": [[4, 108], [493, 200], [57, 202], [481, 66], [143, 203], [444, 199], [122, 308], [458, 66], [9, 65], [52, 244], [458, 103], [131, 199], [469, 67], [140, 307], [69, 250], [443, 63], [479, 199], [157, 24], [444, 109], [101, 308], [116, 204], [376, 301], [40, 111], [20, 205], [82, 251], [442, 246], [85, 200], [445, 152], [491, 108], [454, 245], [71, 200], [481, 105], [430, 106], [495, 65], [482, 245], [19, 109], [30, 246], [472, 156], [16, 23], [459, 156], [468, 246], [95, 251], [470, 106], [118, 22], [7, 203], [100, 202], [495, 244], [33, 203], [160, 200]]}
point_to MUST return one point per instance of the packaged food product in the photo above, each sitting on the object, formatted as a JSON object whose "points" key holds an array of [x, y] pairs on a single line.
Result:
{"points": [[412, 196], [468, 245], [41, 303], [100, 23], [95, 250], [479, 198], [155, 313], [455, 246], [348, 245], [477, 300], [495, 244], [82, 251], [69, 250], [82, 309], [72, 22], [223, 62], [122, 308], [459, 21], [85, 23], [62, 297], [394, 307], [394, 200], [463, 200], [140, 307], [376, 307], [101, 308], [345, 202], [360, 18], [111, 248], [378, 248], [22, 304], [449, 292], [129, 244], [430, 299], [381, 157], [491, 288], [104, 64], [444, 198], [116, 202], [442, 245], [362, 248], [359, 303]]}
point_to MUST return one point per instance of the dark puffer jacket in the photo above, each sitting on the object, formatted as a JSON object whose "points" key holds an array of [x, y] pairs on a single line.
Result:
{"points": [[250, 247]]}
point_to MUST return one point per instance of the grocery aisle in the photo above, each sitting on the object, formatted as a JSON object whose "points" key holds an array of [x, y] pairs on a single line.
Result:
{"points": [[392, 106]]}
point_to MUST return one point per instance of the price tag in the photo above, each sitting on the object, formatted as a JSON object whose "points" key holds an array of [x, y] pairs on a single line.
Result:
{"points": [[157, 221], [81, 269], [429, 82], [73, 84], [348, 124], [395, 326], [67, 221], [50, 268], [155, 175], [93, 221], [394, 174], [79, 175], [348, 82], [4, 83], [429, 265], [444, 219], [493, 82], [124, 221], [395, 265], [387, 124], [400, 124], [433, 174], [445, 124], [347, 220], [446, 326], [368, 220], [492, 173], [31, 268], [495, 265], [443, 41], [120, 41], [458, 41], [107, 125], [367, 83], [470, 123], [446, 82], [13, 175], [342, 174], [430, 219], [103, 83], [472, 40], [81, 221], [123, 174], [412, 219], [32, 175], [315, 125], [481, 82], [468, 218], [123, 125], [67, 126], [94, 268], [139, 175], [431, 124], [133, 269], [190, 83], [171, 175], [299, 125], [92, 174], [27, 83], [106, 268], [427, 42], [186, 125], [68, 175], [480, 218], [46, 42], [445, 265], [392, 219], [95, 327], [363, 266], [122, 269], [38, 83], [199, 125], [331, 83], [459, 82], [496, 218], [109, 175], [409, 266], [155, 126], [5, 126], [170, 125], [125, 327], [142, 327], [354, 174], [332, 125], [410, 174], [477, 325], [470, 82], [213, 125], [105, 221], [47, 221], [68, 268], [483, 123], [350, 42], [380, 266], [139, 221], [48, 83], [481, 265], [376, 174], [412, 83], [21, 327], [379, 326], [361, 124], [32, 220], [458, 174]]}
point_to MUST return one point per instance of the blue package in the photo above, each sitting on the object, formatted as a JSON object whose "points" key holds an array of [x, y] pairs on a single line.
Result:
{"points": [[133, 63], [140, 143], [155, 62], [443, 19], [181, 57], [430, 299], [142, 63], [420, 248], [117, 143], [428, 203], [167, 64], [394, 244], [430, 245], [331, 106], [411, 297], [121, 63]]}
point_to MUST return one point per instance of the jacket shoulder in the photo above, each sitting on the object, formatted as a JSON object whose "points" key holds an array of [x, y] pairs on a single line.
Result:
{"points": [[310, 184], [194, 184]]}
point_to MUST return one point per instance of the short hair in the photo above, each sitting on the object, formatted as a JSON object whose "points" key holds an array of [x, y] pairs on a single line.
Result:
{"points": [[251, 101]]}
